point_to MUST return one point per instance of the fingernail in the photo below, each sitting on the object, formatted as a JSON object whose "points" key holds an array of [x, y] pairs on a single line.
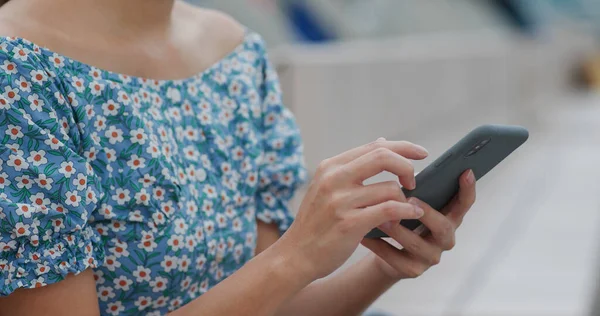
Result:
{"points": [[421, 150], [419, 211], [471, 177], [381, 139], [413, 201]]}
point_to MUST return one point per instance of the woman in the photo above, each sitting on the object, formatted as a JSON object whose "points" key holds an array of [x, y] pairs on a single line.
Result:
{"points": [[121, 194]]}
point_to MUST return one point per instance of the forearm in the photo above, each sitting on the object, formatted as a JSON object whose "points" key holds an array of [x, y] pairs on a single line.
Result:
{"points": [[348, 292], [258, 288]]}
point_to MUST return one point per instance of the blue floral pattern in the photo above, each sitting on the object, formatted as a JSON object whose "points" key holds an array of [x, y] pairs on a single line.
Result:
{"points": [[155, 184]]}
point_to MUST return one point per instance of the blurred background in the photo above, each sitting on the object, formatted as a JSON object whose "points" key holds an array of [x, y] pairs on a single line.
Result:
{"points": [[428, 71]]}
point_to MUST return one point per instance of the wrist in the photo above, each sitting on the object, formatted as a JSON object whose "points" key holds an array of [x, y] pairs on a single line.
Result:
{"points": [[285, 261], [381, 271]]}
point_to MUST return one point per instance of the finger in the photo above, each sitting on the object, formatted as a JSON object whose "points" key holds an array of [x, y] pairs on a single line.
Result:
{"points": [[465, 198], [377, 161], [376, 193], [441, 228], [401, 261], [404, 148], [413, 243], [373, 216]]}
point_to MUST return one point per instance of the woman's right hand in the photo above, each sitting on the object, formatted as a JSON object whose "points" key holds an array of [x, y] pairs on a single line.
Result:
{"points": [[338, 210]]}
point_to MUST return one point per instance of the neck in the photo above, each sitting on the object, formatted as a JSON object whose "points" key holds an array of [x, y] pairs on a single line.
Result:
{"points": [[119, 16]]}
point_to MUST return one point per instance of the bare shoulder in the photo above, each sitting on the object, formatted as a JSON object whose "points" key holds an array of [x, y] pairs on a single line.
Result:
{"points": [[216, 28]]}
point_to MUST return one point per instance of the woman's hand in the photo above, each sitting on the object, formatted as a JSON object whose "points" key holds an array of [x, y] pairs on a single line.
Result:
{"points": [[338, 210], [419, 253]]}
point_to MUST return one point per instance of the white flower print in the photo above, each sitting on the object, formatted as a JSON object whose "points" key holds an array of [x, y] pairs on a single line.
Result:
{"points": [[143, 302], [123, 98], [9, 68], [23, 84], [100, 123], [158, 193], [24, 182], [158, 218], [4, 103], [226, 116], [117, 226], [210, 191], [121, 196], [147, 180], [204, 286], [95, 73], [173, 94], [200, 174], [57, 60], [4, 181], [238, 250], [176, 242], [73, 99], [186, 282], [107, 211], [14, 131], [159, 284], [136, 162], [209, 227], [99, 277], [207, 208], [200, 262], [8, 246], [136, 216], [111, 263], [142, 274], [59, 98], [190, 243], [21, 230], [35, 103], [78, 84], [147, 242], [119, 250], [138, 136], [58, 224], [221, 220], [39, 199], [115, 308], [66, 168], [20, 53], [175, 303], [142, 197], [122, 283], [237, 225], [180, 225], [105, 293], [111, 154], [96, 88], [167, 208], [80, 181], [161, 301], [73, 198], [251, 179], [24, 210], [53, 142], [110, 107], [191, 209]]}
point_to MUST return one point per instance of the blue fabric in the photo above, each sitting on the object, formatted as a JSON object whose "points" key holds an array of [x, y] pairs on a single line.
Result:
{"points": [[155, 184]]}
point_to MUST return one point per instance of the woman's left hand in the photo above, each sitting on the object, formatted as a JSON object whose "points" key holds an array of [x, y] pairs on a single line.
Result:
{"points": [[419, 253]]}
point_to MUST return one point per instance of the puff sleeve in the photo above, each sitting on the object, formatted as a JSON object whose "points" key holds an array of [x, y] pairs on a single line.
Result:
{"points": [[282, 168], [48, 190]]}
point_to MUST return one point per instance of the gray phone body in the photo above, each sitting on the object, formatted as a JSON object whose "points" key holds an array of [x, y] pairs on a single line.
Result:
{"points": [[437, 184]]}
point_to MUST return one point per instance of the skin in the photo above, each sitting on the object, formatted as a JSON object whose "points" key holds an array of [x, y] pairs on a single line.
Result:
{"points": [[166, 39]]}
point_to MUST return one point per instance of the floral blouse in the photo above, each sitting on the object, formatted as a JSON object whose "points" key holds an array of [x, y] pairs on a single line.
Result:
{"points": [[155, 184]]}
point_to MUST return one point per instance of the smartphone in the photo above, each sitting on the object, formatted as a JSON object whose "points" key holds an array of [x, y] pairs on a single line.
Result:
{"points": [[480, 150]]}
